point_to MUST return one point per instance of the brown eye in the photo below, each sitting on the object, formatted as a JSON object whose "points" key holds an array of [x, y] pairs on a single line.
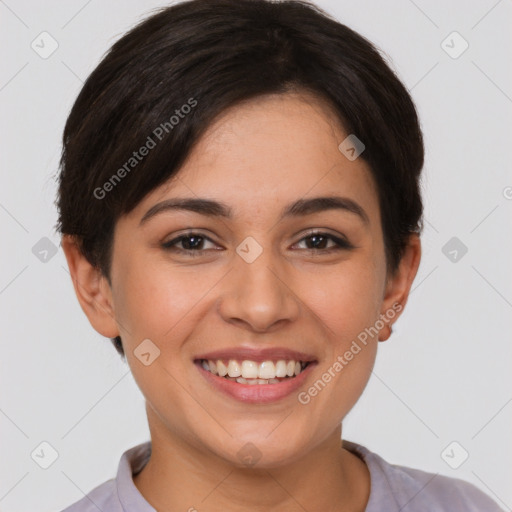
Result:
{"points": [[191, 243], [319, 242]]}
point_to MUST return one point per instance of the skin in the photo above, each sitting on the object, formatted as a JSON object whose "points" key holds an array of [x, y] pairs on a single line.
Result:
{"points": [[257, 157]]}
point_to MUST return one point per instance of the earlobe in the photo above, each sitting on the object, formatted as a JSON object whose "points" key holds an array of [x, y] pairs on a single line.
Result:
{"points": [[92, 289], [386, 332], [399, 285]]}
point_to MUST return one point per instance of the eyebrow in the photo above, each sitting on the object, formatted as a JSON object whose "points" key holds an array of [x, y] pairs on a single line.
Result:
{"points": [[301, 207]]}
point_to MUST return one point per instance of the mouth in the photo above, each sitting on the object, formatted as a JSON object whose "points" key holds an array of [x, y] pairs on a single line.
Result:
{"points": [[256, 376], [254, 373]]}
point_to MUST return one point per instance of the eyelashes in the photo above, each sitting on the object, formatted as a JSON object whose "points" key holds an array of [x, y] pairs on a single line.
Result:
{"points": [[318, 242], [195, 237], [320, 237]]}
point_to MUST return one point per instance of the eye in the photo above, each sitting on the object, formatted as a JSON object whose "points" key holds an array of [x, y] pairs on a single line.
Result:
{"points": [[192, 243], [319, 242]]}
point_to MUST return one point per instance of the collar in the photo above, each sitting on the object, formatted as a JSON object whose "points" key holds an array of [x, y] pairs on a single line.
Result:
{"points": [[133, 461]]}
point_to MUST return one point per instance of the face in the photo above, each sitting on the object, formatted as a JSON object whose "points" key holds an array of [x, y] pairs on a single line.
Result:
{"points": [[280, 280]]}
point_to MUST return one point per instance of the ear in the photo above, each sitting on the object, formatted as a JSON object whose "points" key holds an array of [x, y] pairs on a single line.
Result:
{"points": [[92, 289], [398, 285]]}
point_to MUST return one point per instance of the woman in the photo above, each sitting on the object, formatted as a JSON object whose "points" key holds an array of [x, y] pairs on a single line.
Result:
{"points": [[240, 210]]}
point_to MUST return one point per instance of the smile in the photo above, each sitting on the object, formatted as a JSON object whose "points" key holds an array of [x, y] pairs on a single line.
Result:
{"points": [[255, 376], [252, 372]]}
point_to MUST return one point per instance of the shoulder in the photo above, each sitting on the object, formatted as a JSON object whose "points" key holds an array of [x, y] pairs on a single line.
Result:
{"points": [[408, 489], [435, 492], [118, 494], [102, 497]]}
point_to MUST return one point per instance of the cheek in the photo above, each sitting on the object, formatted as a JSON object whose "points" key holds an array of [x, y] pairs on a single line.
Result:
{"points": [[163, 305], [160, 303], [346, 302], [346, 298]]}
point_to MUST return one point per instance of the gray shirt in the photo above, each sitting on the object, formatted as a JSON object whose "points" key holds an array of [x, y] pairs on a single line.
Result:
{"points": [[393, 488]]}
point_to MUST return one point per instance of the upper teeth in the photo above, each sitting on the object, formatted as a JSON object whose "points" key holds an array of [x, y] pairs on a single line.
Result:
{"points": [[252, 370]]}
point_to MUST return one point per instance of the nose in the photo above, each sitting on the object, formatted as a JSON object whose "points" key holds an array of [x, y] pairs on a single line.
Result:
{"points": [[259, 295]]}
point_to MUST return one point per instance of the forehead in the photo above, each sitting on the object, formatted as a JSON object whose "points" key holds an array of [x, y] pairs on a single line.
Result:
{"points": [[272, 150]]}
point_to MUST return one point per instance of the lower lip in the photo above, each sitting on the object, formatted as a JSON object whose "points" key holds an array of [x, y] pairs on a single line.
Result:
{"points": [[256, 393]]}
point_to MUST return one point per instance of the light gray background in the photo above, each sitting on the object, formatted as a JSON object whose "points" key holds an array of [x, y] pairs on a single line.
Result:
{"points": [[443, 376]]}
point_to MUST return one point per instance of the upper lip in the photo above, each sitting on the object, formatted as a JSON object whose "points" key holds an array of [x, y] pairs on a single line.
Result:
{"points": [[257, 355]]}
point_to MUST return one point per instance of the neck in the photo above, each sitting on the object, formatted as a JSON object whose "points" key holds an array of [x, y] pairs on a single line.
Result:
{"points": [[178, 476]]}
